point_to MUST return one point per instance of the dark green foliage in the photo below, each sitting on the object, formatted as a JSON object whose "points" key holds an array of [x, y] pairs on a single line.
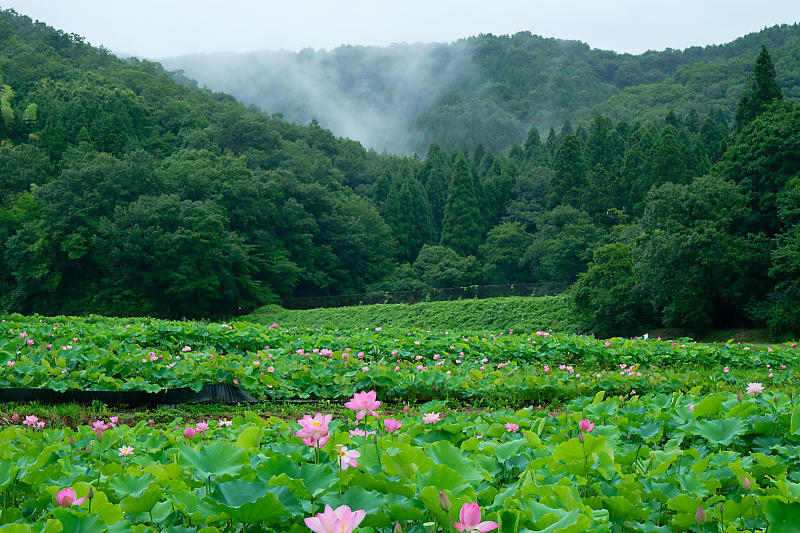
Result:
{"points": [[440, 267], [763, 90], [695, 262], [462, 227], [436, 183], [562, 246], [408, 213], [570, 168], [763, 157], [535, 151], [528, 198], [784, 315], [605, 297], [502, 253]]}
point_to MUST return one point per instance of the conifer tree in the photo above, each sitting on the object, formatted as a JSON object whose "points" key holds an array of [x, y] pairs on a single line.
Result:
{"points": [[436, 181], [763, 89], [570, 170], [535, 151], [461, 229], [408, 213]]}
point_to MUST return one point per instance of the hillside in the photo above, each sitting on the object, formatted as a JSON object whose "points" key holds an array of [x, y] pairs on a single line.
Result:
{"points": [[488, 89], [125, 191]]}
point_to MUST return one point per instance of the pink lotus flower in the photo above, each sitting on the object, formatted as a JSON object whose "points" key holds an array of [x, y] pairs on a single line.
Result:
{"points": [[98, 427], [754, 388], [67, 497], [430, 418], [126, 451], [224, 422], [585, 425], [364, 403], [274, 325], [201, 427], [347, 458], [512, 427], [11, 363], [392, 425], [114, 421], [339, 520], [701, 515], [15, 417], [314, 431], [189, 432], [470, 520], [31, 420]]}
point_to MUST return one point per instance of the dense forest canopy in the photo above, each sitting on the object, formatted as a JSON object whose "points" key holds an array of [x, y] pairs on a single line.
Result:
{"points": [[488, 89], [125, 192]]}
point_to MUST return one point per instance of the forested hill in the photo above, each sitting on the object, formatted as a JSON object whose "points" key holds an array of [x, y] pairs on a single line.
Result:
{"points": [[124, 192], [488, 89]]}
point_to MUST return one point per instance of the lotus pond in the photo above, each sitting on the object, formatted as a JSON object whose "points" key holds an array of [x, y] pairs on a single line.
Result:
{"points": [[637, 434], [272, 363], [652, 463]]}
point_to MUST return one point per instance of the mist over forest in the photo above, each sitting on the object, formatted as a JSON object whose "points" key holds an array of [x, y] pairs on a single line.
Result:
{"points": [[485, 89], [371, 94]]}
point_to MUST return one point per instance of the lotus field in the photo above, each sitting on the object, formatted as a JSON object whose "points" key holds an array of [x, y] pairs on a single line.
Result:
{"points": [[411, 431]]}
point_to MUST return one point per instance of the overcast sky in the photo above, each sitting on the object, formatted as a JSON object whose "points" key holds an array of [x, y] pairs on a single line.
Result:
{"points": [[160, 28]]}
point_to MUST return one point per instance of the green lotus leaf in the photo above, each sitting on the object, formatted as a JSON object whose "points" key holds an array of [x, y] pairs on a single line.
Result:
{"points": [[721, 432], [130, 485], [708, 406], [142, 503], [79, 523], [218, 458], [444, 477]]}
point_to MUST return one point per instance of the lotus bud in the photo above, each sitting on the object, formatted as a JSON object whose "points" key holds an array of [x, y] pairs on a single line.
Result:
{"points": [[700, 515], [397, 528], [71, 439], [739, 396], [746, 483], [90, 495], [444, 501]]}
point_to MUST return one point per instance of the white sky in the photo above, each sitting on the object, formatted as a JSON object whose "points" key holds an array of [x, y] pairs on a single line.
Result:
{"points": [[160, 28]]}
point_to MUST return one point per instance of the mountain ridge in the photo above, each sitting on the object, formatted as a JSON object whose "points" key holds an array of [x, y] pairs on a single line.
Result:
{"points": [[485, 89]]}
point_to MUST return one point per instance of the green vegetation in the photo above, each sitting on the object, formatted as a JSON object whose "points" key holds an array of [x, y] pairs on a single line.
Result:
{"points": [[492, 314], [125, 193], [663, 462], [490, 89]]}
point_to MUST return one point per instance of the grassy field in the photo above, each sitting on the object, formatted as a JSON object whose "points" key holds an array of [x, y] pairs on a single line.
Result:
{"points": [[495, 314]]}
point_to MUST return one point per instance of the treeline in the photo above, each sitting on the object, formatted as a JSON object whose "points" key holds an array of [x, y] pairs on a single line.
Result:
{"points": [[126, 193]]}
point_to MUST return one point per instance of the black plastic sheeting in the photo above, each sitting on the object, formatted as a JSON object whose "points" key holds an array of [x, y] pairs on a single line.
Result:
{"points": [[208, 394]]}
